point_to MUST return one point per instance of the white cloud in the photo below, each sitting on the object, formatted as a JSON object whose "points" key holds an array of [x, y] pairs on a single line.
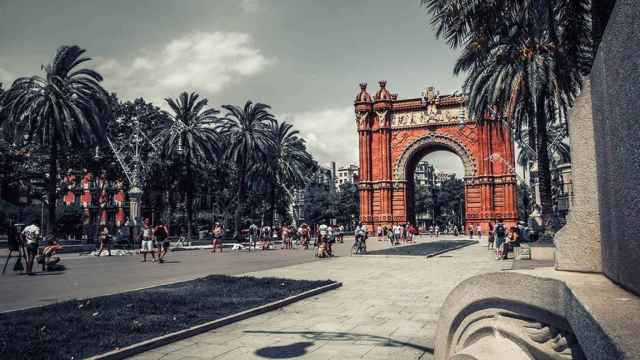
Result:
{"points": [[6, 77], [203, 62], [249, 5], [331, 134]]}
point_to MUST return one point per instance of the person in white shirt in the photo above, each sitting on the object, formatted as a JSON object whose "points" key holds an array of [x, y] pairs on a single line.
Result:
{"points": [[31, 235]]}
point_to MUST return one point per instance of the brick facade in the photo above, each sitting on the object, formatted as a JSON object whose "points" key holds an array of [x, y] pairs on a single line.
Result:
{"points": [[395, 134]]}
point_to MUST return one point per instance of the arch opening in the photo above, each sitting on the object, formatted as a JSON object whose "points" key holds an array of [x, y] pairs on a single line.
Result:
{"points": [[435, 188]]}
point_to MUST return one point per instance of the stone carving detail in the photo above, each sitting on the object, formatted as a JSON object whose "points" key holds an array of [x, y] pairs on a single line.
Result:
{"points": [[437, 140], [498, 333], [361, 119], [382, 118], [432, 116]]}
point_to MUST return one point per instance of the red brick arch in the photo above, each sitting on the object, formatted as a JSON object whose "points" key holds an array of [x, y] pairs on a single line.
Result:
{"points": [[395, 134]]}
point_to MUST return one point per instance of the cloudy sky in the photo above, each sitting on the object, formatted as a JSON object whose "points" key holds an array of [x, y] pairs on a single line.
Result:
{"points": [[303, 57]]}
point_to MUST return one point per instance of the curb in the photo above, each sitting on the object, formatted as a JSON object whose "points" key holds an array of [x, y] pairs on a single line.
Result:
{"points": [[451, 249], [199, 329]]}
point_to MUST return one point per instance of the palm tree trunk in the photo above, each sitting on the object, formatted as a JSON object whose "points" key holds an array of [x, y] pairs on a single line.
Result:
{"points": [[544, 175], [242, 190], [189, 197], [272, 209], [51, 187]]}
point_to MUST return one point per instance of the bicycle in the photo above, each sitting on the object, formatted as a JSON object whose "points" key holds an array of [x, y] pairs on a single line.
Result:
{"points": [[359, 246]]}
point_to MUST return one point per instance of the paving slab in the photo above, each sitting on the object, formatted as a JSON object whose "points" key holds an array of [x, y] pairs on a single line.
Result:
{"points": [[387, 308]]}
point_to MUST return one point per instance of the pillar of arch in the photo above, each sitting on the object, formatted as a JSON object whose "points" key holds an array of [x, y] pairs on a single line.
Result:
{"points": [[395, 134]]}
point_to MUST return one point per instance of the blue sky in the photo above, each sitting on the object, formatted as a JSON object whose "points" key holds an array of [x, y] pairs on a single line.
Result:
{"points": [[305, 58]]}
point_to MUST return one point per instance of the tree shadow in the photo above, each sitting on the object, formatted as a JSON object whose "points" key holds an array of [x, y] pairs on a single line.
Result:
{"points": [[284, 352], [273, 352]]}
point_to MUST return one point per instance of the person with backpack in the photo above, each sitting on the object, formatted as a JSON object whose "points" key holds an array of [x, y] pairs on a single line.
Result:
{"points": [[501, 235]]}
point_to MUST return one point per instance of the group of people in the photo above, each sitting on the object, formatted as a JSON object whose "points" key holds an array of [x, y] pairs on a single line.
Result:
{"points": [[27, 244], [153, 240], [503, 240], [398, 233]]}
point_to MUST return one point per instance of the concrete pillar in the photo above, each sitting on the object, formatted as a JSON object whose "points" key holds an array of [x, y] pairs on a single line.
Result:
{"points": [[578, 245]]}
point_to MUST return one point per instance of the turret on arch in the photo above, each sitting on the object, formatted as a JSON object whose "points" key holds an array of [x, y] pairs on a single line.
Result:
{"points": [[395, 134]]}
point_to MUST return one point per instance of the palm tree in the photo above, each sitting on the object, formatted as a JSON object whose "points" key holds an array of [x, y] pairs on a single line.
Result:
{"points": [[526, 58], [65, 109], [288, 164], [189, 138], [247, 132]]}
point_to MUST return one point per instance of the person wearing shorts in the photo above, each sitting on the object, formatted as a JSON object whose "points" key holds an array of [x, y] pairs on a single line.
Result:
{"points": [[162, 239], [218, 233], [147, 241]]}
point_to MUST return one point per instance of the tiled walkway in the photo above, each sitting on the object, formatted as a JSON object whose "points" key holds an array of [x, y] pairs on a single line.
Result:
{"points": [[387, 309]]}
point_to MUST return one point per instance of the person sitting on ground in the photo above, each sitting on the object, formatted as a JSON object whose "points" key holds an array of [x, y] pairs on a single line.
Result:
{"points": [[50, 262], [105, 241], [513, 243]]}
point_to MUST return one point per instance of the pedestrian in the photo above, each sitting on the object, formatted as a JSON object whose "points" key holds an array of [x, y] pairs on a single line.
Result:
{"points": [[265, 237], [147, 241], [162, 240], [305, 236], [218, 234], [491, 237], [397, 234], [501, 235], [380, 233], [31, 236], [341, 234], [437, 231], [105, 240], [471, 231], [404, 233], [479, 231], [253, 236]]}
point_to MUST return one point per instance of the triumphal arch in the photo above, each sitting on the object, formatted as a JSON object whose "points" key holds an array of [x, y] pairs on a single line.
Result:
{"points": [[394, 135]]}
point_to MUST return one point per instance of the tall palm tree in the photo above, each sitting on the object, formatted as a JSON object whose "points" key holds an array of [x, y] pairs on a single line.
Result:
{"points": [[288, 164], [189, 138], [246, 130], [526, 58], [63, 110]]}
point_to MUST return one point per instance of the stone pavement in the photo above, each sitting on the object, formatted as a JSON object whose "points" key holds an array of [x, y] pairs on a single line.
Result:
{"points": [[388, 308]]}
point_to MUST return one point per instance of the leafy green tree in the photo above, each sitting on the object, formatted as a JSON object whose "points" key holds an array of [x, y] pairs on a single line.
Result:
{"points": [[286, 168], [189, 138], [247, 132], [65, 109], [348, 206], [523, 59]]}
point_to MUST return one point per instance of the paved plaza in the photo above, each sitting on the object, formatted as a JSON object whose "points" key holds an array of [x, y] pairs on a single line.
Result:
{"points": [[387, 308]]}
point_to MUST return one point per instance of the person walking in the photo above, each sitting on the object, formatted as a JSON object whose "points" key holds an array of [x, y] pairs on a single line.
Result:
{"points": [[479, 231], [471, 231], [491, 236], [218, 234], [253, 236], [162, 239], [501, 235], [105, 241], [397, 234], [31, 236], [437, 231], [380, 233], [147, 241]]}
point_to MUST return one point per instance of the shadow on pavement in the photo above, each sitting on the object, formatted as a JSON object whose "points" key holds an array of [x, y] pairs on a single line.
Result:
{"points": [[284, 352], [288, 351]]}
